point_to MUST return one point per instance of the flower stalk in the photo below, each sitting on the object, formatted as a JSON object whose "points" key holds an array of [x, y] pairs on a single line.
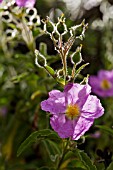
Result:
{"points": [[65, 145]]}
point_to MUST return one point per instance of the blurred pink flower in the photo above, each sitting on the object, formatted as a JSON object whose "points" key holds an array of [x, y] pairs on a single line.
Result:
{"points": [[97, 134], [3, 111], [25, 3], [72, 111], [102, 84]]}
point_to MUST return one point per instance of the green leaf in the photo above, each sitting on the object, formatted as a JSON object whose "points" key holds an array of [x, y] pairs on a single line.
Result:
{"points": [[37, 136], [100, 165], [61, 81], [73, 168], [86, 160], [52, 148], [45, 168], [71, 160], [28, 166], [80, 69], [110, 167], [50, 70], [43, 48], [105, 128], [18, 78]]}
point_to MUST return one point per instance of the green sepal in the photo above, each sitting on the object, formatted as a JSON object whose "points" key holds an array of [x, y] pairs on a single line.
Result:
{"points": [[61, 81], [50, 70]]}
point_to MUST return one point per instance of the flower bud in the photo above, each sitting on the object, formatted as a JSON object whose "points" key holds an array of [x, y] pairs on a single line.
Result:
{"points": [[6, 17], [50, 70], [40, 60], [31, 12], [76, 57], [61, 26], [11, 33], [78, 30], [49, 27]]}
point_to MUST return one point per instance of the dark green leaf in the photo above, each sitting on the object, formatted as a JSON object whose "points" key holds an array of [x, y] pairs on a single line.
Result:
{"points": [[86, 160], [52, 149], [80, 69], [35, 137], [45, 168], [73, 168]]}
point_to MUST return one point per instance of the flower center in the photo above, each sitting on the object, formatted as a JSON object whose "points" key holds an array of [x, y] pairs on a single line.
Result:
{"points": [[105, 84], [72, 111]]}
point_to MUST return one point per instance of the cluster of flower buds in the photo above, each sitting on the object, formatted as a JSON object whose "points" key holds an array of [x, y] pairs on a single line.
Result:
{"points": [[32, 18], [18, 21], [56, 31]]}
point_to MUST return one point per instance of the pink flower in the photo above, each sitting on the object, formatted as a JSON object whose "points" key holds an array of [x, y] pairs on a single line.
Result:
{"points": [[102, 84], [25, 3], [72, 111]]}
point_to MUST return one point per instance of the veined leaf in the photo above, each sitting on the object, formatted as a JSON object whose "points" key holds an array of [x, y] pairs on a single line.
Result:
{"points": [[86, 160], [80, 69], [52, 149], [37, 136]]}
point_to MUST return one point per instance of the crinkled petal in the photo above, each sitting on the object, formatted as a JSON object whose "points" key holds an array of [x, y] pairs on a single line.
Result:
{"points": [[56, 94], [92, 108], [76, 93], [25, 3], [62, 125], [55, 103], [81, 126]]}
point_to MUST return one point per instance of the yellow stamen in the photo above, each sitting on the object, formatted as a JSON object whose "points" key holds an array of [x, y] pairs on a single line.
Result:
{"points": [[72, 111], [105, 84]]}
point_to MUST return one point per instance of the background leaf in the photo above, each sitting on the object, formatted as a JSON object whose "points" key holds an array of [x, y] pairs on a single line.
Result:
{"points": [[110, 167], [106, 129]]}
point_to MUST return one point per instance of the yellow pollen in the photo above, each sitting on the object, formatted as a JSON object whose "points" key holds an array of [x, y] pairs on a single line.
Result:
{"points": [[72, 111], [105, 84]]}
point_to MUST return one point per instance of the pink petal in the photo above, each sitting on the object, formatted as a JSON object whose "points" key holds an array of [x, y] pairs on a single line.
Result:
{"points": [[92, 108], [77, 93], [62, 125], [55, 103], [105, 74], [25, 3], [81, 127]]}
